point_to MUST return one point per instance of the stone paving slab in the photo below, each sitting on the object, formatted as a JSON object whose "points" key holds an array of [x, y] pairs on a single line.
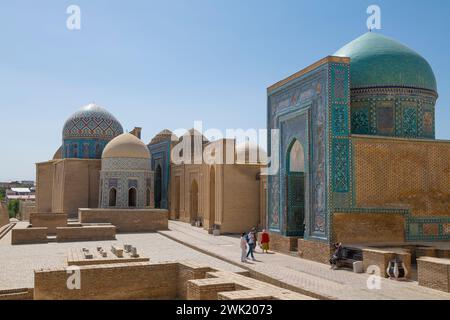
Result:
{"points": [[298, 274], [18, 262]]}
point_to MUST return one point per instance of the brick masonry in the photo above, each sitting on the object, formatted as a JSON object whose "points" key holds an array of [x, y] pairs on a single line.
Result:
{"points": [[371, 227], [127, 220], [314, 250], [85, 233], [29, 235], [434, 273], [48, 220], [281, 243]]}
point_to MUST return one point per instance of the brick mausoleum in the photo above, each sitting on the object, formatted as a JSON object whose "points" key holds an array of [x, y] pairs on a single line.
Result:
{"points": [[359, 162]]}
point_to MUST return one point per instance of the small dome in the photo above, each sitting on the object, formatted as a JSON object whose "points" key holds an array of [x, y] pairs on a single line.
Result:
{"points": [[126, 146], [58, 154], [250, 150], [163, 135], [92, 121], [379, 61]]}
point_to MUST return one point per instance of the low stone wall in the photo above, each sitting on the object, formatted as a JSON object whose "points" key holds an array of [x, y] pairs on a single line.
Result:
{"points": [[381, 258], [127, 220], [434, 273], [133, 281], [16, 294], [223, 285], [314, 250], [29, 235], [48, 220], [281, 243], [85, 233]]}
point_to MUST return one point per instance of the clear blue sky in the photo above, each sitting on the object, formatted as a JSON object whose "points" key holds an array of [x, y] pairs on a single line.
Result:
{"points": [[164, 64]]}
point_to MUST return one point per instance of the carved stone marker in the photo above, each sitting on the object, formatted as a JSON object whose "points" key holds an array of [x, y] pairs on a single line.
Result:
{"points": [[134, 253], [117, 251]]}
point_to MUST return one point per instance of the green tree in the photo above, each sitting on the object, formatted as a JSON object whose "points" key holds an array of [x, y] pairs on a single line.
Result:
{"points": [[13, 208]]}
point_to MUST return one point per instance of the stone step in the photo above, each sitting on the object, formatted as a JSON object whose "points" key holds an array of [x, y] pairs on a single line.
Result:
{"points": [[51, 238]]}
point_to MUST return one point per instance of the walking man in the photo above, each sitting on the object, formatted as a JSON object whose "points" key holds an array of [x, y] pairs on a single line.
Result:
{"points": [[251, 244]]}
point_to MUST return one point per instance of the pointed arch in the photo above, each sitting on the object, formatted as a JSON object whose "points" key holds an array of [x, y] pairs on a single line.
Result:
{"points": [[112, 197]]}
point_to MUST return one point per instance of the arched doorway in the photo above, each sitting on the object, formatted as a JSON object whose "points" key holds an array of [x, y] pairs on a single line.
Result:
{"points": [[212, 196], [177, 197], [194, 201], [295, 185], [158, 186], [132, 198], [147, 197], [112, 197]]}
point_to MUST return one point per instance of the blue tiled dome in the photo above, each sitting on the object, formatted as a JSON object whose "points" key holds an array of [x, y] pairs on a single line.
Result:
{"points": [[92, 121], [379, 61], [87, 131]]}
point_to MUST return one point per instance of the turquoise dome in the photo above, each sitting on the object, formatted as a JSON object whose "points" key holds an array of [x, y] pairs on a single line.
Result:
{"points": [[379, 61]]}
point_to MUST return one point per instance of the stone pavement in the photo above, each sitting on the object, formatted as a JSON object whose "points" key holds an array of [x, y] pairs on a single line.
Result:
{"points": [[18, 262], [300, 275]]}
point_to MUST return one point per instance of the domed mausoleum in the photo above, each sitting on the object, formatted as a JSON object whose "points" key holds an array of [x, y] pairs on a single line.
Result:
{"points": [[393, 89], [126, 179], [87, 132], [358, 158]]}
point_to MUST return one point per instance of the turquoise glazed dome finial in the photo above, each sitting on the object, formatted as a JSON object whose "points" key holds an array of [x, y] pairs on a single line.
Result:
{"points": [[377, 60], [87, 131]]}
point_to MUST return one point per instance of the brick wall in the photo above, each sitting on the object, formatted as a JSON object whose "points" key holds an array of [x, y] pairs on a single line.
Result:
{"points": [[241, 199], [48, 220], [29, 235], [132, 281], [434, 273], [44, 186], [4, 216], [314, 250], [127, 220], [281, 243], [368, 227], [85, 233], [416, 176]]}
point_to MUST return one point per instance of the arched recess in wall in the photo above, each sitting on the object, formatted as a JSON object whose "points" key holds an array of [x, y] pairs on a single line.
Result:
{"points": [[112, 197], [295, 189], [132, 197], [212, 196], [147, 197], [158, 186], [194, 201]]}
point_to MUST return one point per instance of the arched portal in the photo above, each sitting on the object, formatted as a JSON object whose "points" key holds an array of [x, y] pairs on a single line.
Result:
{"points": [[177, 197], [132, 198], [212, 196], [112, 197], [147, 197], [194, 200], [295, 189], [158, 186]]}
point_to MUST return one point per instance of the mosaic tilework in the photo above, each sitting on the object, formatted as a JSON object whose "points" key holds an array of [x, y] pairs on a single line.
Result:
{"points": [[401, 112], [124, 177], [288, 111], [118, 164], [94, 122], [160, 151]]}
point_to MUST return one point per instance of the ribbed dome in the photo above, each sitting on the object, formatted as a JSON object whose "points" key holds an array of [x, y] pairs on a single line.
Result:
{"points": [[379, 61], [163, 135], [126, 146], [92, 121]]}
